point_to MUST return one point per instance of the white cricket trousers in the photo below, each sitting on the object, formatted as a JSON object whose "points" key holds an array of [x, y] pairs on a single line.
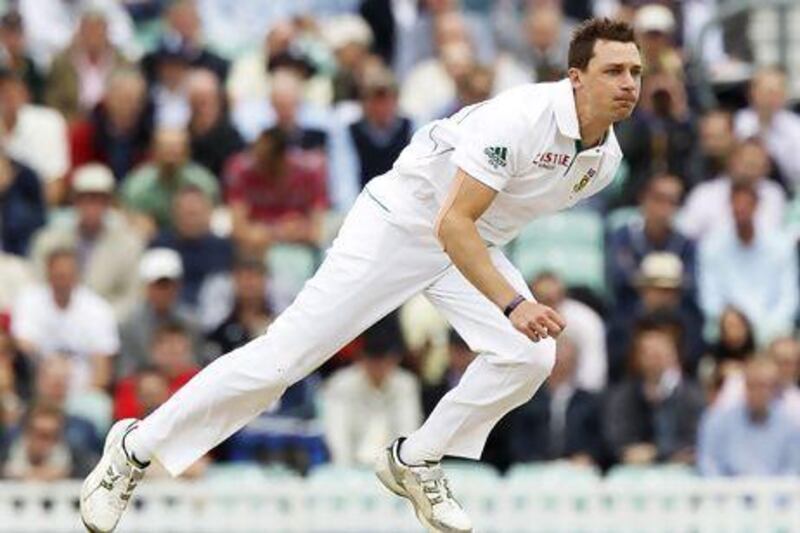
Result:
{"points": [[373, 267]]}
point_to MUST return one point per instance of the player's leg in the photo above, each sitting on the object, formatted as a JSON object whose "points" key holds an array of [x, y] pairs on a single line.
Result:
{"points": [[372, 267], [506, 373]]}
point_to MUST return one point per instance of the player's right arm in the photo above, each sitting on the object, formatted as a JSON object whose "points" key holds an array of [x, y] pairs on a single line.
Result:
{"points": [[456, 230]]}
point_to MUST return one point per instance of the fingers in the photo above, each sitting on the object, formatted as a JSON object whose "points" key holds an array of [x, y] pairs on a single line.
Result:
{"points": [[542, 327], [557, 318]]}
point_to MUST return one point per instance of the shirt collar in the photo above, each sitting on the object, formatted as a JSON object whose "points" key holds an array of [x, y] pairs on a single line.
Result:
{"points": [[566, 113], [567, 116]]}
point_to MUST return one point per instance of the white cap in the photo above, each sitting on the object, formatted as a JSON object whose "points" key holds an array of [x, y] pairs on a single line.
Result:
{"points": [[93, 178], [661, 269], [160, 263], [654, 17], [345, 29]]}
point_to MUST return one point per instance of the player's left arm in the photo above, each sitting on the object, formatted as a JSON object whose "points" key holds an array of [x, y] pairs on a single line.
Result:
{"points": [[456, 230]]}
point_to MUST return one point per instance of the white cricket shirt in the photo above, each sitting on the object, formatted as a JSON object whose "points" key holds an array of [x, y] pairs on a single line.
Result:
{"points": [[524, 143]]}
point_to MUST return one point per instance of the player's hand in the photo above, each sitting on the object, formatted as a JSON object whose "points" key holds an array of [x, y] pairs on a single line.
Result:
{"points": [[537, 321]]}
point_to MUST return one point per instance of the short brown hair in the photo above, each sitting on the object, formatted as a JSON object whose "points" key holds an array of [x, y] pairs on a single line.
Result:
{"points": [[581, 47]]}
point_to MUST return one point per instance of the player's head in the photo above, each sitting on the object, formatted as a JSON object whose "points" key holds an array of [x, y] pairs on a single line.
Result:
{"points": [[605, 68]]}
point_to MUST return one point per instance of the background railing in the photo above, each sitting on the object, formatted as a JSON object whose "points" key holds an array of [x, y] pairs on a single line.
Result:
{"points": [[529, 499]]}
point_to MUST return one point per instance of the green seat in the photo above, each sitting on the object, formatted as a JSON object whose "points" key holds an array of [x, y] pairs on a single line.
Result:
{"points": [[290, 266], [570, 244]]}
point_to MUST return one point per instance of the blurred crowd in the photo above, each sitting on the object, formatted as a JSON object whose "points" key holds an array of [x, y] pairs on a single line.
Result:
{"points": [[172, 171]]}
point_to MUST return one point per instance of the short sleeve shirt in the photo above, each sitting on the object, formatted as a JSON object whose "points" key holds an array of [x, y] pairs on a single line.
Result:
{"points": [[524, 143]]}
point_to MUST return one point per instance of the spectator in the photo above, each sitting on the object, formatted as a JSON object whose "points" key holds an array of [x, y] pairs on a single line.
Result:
{"points": [[736, 341], [542, 42], [426, 335], [64, 317], [78, 76], [431, 85], [735, 347], [161, 273], [660, 285], [754, 437], [213, 138], [421, 40], [785, 352], [249, 311], [652, 415], [118, 132], [149, 190], [275, 194], [312, 129], [563, 420], [168, 90], [51, 24], [12, 387], [33, 135], [659, 138], [768, 119], [651, 231], [369, 403], [252, 76], [381, 134], [655, 26], [350, 38], [472, 87], [587, 331], [170, 356], [716, 143], [708, 207], [460, 357], [731, 259], [183, 30], [41, 453], [52, 389], [202, 253], [152, 389], [22, 206], [16, 274], [106, 246], [16, 56]]}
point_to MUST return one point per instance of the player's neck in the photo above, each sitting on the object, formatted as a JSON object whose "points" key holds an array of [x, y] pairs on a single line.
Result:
{"points": [[592, 126]]}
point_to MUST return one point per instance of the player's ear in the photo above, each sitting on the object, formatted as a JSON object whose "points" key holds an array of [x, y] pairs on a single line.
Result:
{"points": [[574, 75]]}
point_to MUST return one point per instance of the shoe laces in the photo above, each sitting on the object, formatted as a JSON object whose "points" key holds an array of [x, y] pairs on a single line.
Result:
{"points": [[434, 483], [120, 485]]}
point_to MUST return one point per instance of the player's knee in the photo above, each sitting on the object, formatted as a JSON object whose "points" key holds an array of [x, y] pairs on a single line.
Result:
{"points": [[540, 357]]}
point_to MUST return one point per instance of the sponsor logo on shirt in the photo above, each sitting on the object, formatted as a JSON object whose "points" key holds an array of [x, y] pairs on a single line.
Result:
{"points": [[584, 181], [497, 155], [550, 160]]}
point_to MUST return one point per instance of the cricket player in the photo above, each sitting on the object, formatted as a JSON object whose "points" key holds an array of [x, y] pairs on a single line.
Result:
{"points": [[435, 223]]}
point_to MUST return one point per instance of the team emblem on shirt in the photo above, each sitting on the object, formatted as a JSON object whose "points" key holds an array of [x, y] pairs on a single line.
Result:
{"points": [[584, 181], [497, 156]]}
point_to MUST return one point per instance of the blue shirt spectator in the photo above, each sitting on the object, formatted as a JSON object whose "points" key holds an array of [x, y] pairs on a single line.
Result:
{"points": [[755, 437], [750, 269]]}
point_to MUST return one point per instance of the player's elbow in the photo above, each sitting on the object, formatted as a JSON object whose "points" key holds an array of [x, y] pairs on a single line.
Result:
{"points": [[447, 227]]}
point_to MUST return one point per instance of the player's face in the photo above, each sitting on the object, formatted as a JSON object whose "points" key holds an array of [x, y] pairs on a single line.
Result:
{"points": [[612, 80]]}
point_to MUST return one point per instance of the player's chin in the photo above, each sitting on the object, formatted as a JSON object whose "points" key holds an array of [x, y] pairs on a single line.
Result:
{"points": [[621, 112]]}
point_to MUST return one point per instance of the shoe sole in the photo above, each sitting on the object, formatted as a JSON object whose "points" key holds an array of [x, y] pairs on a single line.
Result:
{"points": [[383, 472], [113, 438]]}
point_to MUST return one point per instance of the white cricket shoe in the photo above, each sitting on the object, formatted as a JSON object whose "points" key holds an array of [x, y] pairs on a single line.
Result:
{"points": [[108, 488], [426, 488]]}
